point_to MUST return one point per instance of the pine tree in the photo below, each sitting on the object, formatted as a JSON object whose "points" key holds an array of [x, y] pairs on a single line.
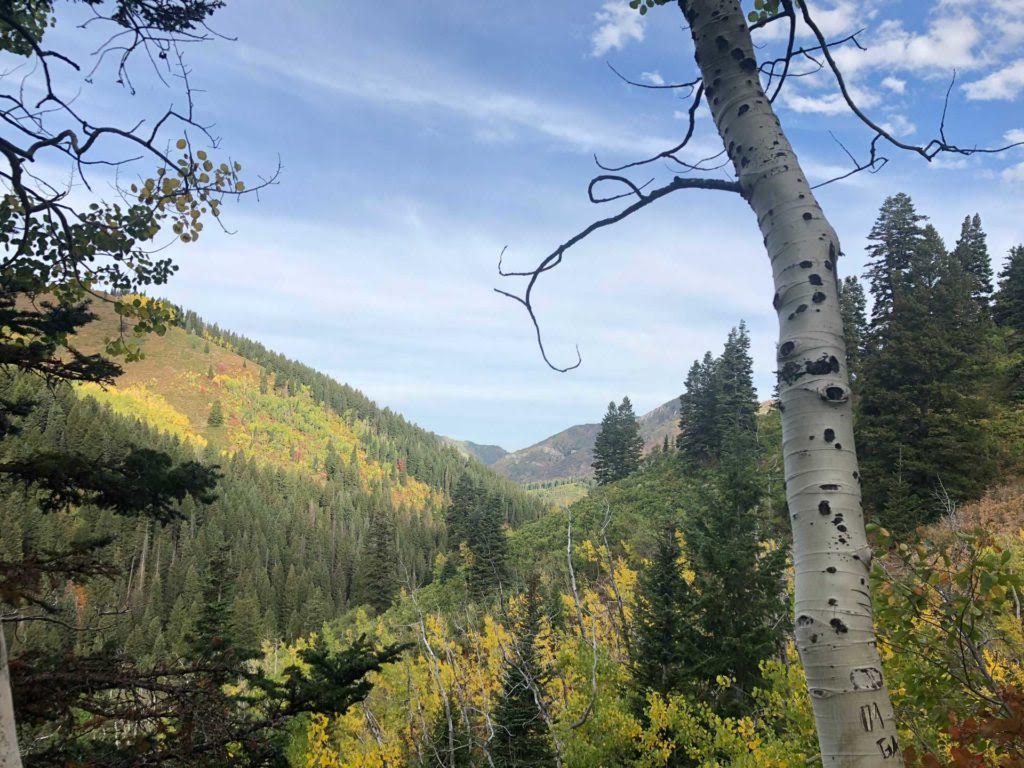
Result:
{"points": [[698, 420], [1008, 310], [921, 404], [460, 513], [1008, 313], [632, 444], [663, 651], [379, 581], [971, 251], [486, 539], [521, 738], [739, 575], [719, 403], [895, 245], [735, 397], [853, 306], [209, 372], [264, 382], [216, 417], [451, 743], [618, 447]]}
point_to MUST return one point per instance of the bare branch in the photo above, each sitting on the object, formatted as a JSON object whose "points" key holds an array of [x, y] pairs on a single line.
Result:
{"points": [[928, 151], [655, 87], [554, 258]]}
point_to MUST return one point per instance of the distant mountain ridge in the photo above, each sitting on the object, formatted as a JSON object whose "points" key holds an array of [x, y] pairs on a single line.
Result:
{"points": [[485, 454], [569, 453]]}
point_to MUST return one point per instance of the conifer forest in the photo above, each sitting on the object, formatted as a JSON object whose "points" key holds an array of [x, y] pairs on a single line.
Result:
{"points": [[794, 536]]}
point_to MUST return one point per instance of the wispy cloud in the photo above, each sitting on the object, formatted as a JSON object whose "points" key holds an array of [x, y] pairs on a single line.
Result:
{"points": [[499, 113], [617, 25]]}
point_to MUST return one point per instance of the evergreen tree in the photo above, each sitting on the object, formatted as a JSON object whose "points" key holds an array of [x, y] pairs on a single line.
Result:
{"points": [[216, 417], [663, 651], [1008, 310], [921, 402], [971, 251], [618, 447], [698, 419], [521, 738], [209, 372], [739, 575], [1008, 313], [264, 382], [719, 403], [895, 244], [451, 743], [853, 306], [735, 397], [460, 513], [379, 579], [486, 539]]}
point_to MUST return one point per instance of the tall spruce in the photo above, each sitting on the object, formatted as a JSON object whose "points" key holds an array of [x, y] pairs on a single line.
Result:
{"points": [[719, 403], [971, 251], [853, 306], [458, 517], [486, 539], [1008, 310], [739, 579], [521, 738], [664, 647], [698, 433], [618, 447], [379, 581], [921, 404], [895, 244], [735, 396]]}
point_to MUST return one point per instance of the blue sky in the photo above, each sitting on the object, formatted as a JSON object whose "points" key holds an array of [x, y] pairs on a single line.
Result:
{"points": [[419, 138]]}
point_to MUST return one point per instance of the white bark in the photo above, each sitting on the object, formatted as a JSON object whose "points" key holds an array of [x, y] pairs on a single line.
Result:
{"points": [[834, 627], [10, 757]]}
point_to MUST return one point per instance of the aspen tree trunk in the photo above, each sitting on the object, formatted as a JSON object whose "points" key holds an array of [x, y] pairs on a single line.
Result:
{"points": [[10, 757], [834, 629]]}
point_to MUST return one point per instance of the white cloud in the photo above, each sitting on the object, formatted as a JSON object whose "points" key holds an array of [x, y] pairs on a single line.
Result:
{"points": [[899, 125], [1014, 174], [894, 84], [654, 78], [1014, 135], [619, 24], [842, 17], [827, 104], [1004, 83], [949, 43]]}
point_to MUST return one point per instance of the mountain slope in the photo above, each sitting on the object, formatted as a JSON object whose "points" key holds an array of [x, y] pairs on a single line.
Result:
{"points": [[284, 414], [325, 503], [485, 454], [569, 453]]}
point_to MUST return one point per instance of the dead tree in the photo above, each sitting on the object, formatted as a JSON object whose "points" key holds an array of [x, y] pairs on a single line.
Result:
{"points": [[834, 625]]}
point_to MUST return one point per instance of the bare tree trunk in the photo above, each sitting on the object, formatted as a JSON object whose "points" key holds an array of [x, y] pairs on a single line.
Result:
{"points": [[10, 757], [834, 629]]}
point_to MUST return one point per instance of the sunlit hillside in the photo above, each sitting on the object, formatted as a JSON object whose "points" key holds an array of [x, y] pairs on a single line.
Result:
{"points": [[182, 375]]}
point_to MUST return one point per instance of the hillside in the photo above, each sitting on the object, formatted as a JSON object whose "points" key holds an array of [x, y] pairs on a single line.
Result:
{"points": [[570, 453], [325, 501], [485, 454], [280, 413]]}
